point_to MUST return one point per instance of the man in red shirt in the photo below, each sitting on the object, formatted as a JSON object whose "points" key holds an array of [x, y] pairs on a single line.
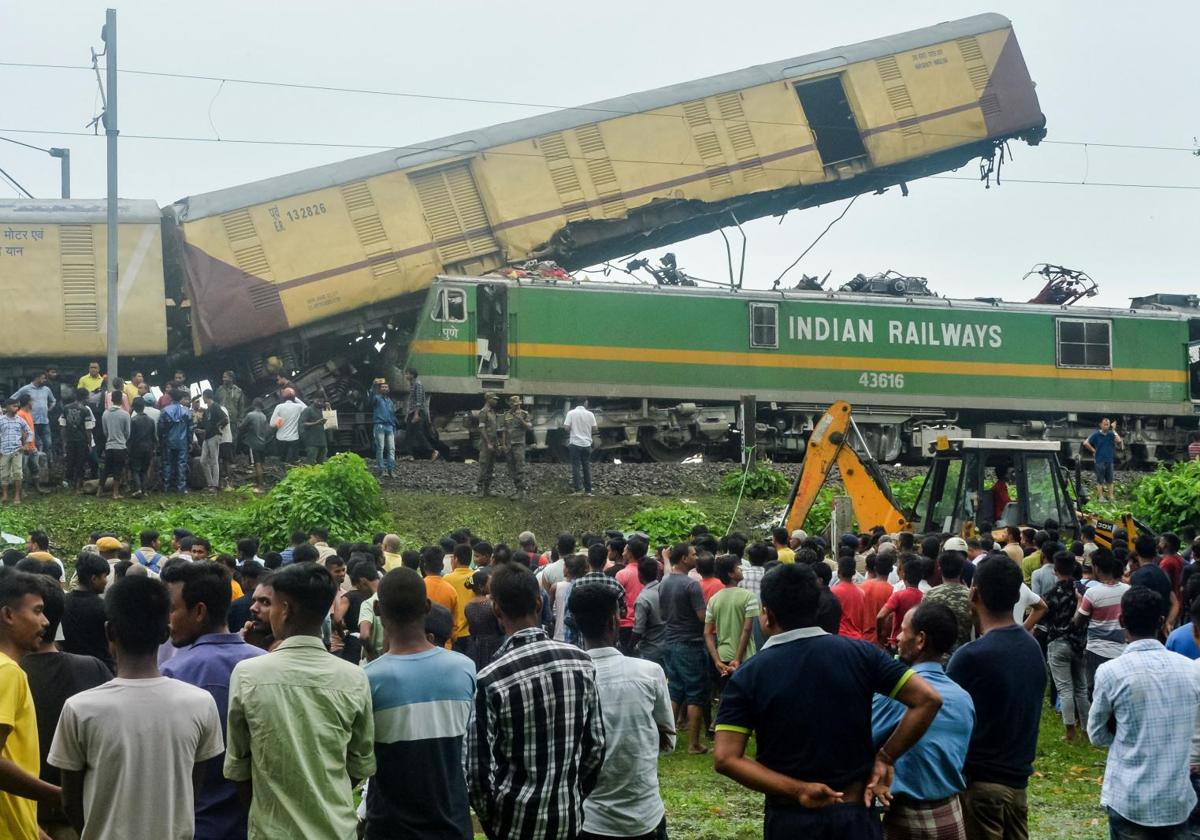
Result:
{"points": [[1172, 564], [876, 591], [634, 553], [1000, 497], [900, 602], [854, 605]]}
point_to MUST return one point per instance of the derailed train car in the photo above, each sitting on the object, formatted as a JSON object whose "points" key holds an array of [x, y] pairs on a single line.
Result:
{"points": [[295, 266], [668, 366]]}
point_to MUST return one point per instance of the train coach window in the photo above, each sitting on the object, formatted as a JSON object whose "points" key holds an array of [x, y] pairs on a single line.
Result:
{"points": [[764, 325], [451, 306], [1084, 343]]}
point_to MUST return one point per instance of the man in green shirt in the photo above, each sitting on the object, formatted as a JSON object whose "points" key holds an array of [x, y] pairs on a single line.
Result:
{"points": [[312, 430], [301, 729], [729, 617]]}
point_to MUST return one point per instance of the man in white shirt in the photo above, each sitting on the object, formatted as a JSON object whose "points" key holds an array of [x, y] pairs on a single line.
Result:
{"points": [[638, 724], [130, 775], [580, 425], [285, 419]]}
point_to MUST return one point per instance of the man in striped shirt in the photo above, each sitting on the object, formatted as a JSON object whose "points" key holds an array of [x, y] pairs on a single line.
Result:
{"points": [[1100, 612], [536, 745]]}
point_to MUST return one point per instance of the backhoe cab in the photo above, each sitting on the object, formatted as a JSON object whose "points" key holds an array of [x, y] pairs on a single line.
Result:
{"points": [[960, 492]]}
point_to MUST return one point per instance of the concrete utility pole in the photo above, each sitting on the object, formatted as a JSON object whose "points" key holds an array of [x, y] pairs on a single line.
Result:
{"points": [[64, 159], [109, 36]]}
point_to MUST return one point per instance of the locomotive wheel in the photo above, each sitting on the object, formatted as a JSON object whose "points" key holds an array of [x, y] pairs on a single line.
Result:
{"points": [[656, 449]]}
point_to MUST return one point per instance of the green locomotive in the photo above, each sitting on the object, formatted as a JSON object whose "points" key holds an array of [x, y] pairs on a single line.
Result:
{"points": [[667, 367]]}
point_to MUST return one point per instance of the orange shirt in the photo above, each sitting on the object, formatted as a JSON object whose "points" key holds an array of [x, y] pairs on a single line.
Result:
{"points": [[710, 587], [31, 444], [441, 592], [875, 595]]}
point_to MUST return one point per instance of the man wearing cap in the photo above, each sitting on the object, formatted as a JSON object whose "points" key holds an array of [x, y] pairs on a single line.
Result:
{"points": [[512, 440], [490, 444], [285, 419], [384, 419]]}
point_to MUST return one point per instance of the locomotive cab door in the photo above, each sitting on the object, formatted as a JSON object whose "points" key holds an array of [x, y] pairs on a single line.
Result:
{"points": [[830, 117], [1193, 357], [491, 331]]}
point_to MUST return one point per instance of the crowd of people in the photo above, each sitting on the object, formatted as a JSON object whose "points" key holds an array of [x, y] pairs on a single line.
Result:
{"points": [[130, 436], [162, 691]]}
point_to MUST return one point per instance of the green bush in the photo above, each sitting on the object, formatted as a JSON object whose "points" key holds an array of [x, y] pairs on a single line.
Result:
{"points": [[1169, 498], [761, 482], [905, 491], [340, 495], [821, 512], [665, 524]]}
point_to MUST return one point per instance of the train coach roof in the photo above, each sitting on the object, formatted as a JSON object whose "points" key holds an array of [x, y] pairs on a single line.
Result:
{"points": [[74, 211], [847, 298], [355, 169]]}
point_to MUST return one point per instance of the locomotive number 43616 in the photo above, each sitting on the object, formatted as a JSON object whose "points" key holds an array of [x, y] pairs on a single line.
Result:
{"points": [[890, 381]]}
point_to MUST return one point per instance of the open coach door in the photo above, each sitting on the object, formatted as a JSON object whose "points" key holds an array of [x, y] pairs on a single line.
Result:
{"points": [[491, 331]]}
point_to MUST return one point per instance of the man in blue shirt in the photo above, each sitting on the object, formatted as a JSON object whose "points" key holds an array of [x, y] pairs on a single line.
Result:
{"points": [[200, 596], [423, 697], [175, 437], [807, 695], [384, 416], [1103, 446], [929, 776], [1182, 640], [41, 403]]}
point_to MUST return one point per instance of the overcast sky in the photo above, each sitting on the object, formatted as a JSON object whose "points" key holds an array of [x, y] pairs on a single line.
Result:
{"points": [[1105, 74]]}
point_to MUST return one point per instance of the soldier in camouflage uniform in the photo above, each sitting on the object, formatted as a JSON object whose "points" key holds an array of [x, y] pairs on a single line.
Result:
{"points": [[516, 424], [489, 442]]}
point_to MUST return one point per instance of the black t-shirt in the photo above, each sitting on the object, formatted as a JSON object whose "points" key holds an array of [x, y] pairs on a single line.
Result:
{"points": [[141, 433], [680, 597], [808, 701], [1152, 577], [1004, 673], [239, 612], [53, 677], [83, 627]]}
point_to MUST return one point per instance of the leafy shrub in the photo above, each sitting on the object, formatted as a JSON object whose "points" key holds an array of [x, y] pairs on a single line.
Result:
{"points": [[665, 524], [905, 491], [761, 482], [820, 513], [340, 495], [1169, 498]]}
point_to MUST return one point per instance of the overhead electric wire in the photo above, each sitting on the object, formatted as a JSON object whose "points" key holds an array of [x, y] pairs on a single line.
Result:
{"points": [[611, 112], [14, 182], [820, 236], [26, 145]]}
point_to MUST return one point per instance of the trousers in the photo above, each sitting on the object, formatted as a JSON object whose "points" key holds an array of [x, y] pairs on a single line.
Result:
{"points": [[175, 468], [385, 447], [995, 812], [210, 461], [1120, 828], [516, 466], [581, 467], [1067, 671], [487, 467]]}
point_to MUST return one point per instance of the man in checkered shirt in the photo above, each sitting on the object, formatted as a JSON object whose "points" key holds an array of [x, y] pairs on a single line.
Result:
{"points": [[15, 434], [536, 745], [1144, 709]]}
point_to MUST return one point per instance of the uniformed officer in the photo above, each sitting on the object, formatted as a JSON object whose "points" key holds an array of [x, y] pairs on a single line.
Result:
{"points": [[516, 424], [489, 442]]}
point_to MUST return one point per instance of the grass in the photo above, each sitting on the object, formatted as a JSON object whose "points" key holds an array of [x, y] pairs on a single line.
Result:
{"points": [[1064, 793]]}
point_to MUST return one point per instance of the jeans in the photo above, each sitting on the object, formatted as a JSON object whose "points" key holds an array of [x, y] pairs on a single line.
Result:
{"points": [[1092, 661], [175, 468], [1067, 671], [844, 821], [1120, 828], [41, 433], [995, 812], [139, 465], [210, 461], [581, 467], [385, 447]]}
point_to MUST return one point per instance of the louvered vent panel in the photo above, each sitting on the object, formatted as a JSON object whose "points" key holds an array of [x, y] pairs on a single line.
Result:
{"points": [[889, 70], [990, 105], [77, 263], [265, 296], [368, 227], [563, 176], [970, 50], [252, 260], [370, 231], [978, 74], [696, 113], [455, 213], [600, 171], [239, 225], [708, 144], [737, 129], [358, 197]]}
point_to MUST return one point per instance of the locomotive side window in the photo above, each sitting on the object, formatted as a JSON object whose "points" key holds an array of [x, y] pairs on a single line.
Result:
{"points": [[451, 306], [764, 325], [1084, 343]]}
